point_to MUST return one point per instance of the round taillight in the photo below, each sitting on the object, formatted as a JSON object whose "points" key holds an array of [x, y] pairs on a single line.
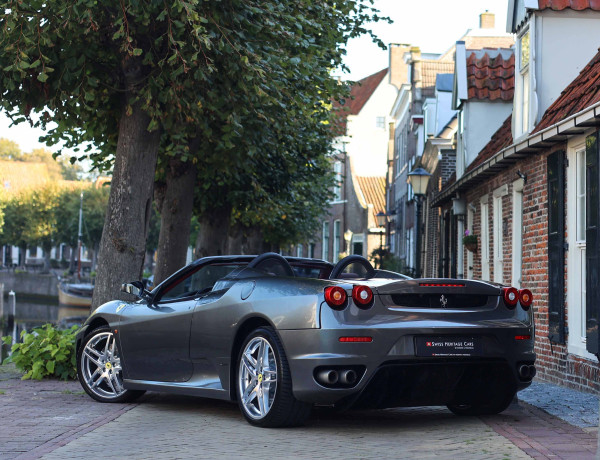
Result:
{"points": [[511, 297], [526, 298], [336, 297], [362, 296]]}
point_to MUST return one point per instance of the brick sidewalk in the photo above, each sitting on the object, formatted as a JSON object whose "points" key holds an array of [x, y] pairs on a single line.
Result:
{"points": [[38, 417], [56, 420]]}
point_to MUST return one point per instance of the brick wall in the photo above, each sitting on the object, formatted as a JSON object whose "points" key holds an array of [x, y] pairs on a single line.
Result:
{"points": [[554, 362]]}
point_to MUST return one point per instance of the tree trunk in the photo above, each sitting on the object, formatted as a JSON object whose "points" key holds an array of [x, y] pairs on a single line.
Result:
{"points": [[123, 243], [176, 208], [255, 242], [22, 256], [212, 237], [235, 240], [71, 260], [46, 249]]}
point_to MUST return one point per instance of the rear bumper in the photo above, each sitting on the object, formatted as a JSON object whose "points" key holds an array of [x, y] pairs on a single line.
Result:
{"points": [[393, 374]]}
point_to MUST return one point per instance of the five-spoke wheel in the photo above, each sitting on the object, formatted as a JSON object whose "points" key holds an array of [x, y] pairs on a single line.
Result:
{"points": [[99, 367], [264, 385], [258, 377]]}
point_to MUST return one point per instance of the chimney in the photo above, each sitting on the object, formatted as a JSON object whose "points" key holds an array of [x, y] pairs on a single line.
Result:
{"points": [[398, 68], [487, 20]]}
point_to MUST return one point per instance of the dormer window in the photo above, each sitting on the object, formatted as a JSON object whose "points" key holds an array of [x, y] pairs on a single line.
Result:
{"points": [[522, 87]]}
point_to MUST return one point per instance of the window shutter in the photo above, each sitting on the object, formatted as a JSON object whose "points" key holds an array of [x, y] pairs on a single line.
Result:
{"points": [[592, 236], [556, 247]]}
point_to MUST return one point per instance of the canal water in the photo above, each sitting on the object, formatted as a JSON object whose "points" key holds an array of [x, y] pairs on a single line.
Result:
{"points": [[34, 311]]}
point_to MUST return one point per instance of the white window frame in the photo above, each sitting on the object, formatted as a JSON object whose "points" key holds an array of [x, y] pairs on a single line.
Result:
{"points": [[485, 238], [497, 221], [576, 264], [522, 97], [470, 219], [517, 232], [337, 186], [337, 225], [299, 250], [325, 241]]}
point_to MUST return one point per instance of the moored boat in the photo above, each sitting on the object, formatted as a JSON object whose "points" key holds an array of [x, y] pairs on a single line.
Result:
{"points": [[75, 294]]}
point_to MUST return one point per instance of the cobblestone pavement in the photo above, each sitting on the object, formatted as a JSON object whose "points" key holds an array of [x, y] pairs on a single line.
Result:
{"points": [[577, 408], [55, 420]]}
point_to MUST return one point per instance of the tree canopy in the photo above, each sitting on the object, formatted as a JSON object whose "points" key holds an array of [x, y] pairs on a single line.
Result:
{"points": [[233, 87]]}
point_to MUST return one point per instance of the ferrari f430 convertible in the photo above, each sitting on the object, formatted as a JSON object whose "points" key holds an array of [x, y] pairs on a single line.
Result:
{"points": [[280, 335]]}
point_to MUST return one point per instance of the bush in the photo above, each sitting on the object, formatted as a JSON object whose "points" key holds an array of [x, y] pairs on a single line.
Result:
{"points": [[45, 352]]}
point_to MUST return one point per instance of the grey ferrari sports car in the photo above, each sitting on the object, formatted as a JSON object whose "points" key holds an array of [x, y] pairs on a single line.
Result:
{"points": [[280, 335]]}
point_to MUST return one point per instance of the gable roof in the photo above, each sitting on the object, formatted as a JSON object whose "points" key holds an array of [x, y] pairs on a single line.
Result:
{"points": [[491, 74], [429, 71], [373, 191], [559, 5], [361, 92], [579, 94]]}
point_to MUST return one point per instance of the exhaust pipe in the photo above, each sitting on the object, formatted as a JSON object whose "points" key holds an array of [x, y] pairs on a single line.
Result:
{"points": [[328, 377], [524, 372], [532, 371], [348, 377]]}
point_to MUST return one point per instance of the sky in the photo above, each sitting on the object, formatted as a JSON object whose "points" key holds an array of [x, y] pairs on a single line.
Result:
{"points": [[433, 25]]}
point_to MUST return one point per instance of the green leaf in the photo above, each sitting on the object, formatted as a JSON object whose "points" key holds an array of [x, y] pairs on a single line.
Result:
{"points": [[42, 77], [50, 367], [137, 51]]}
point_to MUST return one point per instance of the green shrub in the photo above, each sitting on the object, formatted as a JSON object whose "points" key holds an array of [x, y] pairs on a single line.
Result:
{"points": [[45, 352]]}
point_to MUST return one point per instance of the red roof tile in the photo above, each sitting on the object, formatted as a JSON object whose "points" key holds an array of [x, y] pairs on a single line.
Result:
{"points": [[361, 92], [500, 139], [491, 74], [559, 5], [581, 93], [373, 189]]}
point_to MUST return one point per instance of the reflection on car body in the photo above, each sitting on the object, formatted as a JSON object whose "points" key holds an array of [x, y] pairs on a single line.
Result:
{"points": [[282, 334]]}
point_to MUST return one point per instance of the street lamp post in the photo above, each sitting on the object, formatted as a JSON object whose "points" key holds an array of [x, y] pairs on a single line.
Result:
{"points": [[381, 221], [418, 180]]}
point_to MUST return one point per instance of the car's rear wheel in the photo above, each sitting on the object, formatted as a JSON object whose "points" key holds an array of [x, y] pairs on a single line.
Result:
{"points": [[495, 405], [264, 384], [99, 368]]}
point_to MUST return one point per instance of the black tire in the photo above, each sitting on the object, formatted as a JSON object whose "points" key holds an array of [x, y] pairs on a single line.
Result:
{"points": [[285, 410], [102, 392], [492, 407]]}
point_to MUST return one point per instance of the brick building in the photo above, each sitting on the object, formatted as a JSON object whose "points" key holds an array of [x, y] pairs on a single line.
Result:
{"points": [[531, 194]]}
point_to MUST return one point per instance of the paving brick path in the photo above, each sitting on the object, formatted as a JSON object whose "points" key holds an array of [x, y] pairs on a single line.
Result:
{"points": [[55, 420]]}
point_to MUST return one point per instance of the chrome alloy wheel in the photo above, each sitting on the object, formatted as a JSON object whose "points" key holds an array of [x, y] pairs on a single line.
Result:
{"points": [[101, 366], [257, 378]]}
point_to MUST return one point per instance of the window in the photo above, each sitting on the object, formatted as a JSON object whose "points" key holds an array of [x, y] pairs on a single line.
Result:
{"points": [[517, 233], [580, 246], [197, 282], [325, 249], [337, 187], [380, 122], [523, 95], [299, 250], [498, 240], [311, 250], [580, 194], [485, 240], [336, 240]]}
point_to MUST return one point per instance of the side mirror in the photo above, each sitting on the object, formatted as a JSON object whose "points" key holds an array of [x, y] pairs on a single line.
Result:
{"points": [[135, 288]]}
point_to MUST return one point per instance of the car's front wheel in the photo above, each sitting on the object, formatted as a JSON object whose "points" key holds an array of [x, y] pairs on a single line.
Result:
{"points": [[99, 367], [264, 384]]}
